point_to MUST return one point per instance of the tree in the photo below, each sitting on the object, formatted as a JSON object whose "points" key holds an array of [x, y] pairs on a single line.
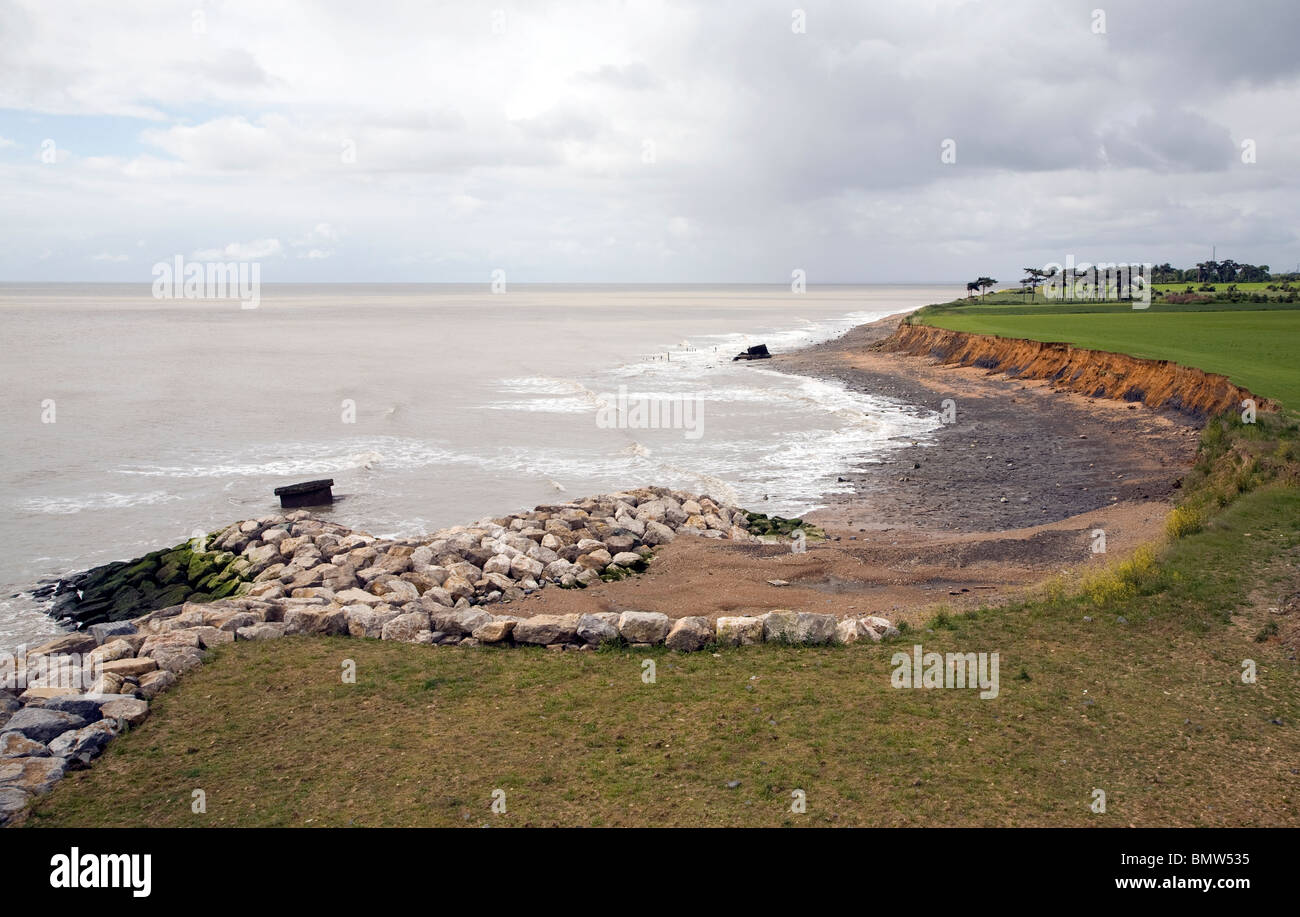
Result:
{"points": [[1034, 278], [984, 283], [971, 288]]}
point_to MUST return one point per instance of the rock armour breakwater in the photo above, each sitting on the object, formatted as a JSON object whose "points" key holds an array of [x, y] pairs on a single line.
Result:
{"points": [[569, 544], [1095, 373]]}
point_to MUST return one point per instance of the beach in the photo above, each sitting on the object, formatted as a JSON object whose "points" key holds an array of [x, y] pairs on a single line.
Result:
{"points": [[1006, 497], [1007, 489]]}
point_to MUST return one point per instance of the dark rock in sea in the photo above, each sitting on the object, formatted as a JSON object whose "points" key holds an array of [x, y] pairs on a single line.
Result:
{"points": [[308, 493], [757, 352], [122, 590]]}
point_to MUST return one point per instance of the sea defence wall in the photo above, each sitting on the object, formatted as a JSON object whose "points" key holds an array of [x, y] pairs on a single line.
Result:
{"points": [[1096, 373]]}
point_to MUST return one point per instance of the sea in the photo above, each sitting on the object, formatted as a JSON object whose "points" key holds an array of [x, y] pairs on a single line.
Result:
{"points": [[129, 422]]}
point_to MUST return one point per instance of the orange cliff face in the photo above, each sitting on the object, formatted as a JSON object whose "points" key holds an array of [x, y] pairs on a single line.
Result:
{"points": [[1096, 373]]}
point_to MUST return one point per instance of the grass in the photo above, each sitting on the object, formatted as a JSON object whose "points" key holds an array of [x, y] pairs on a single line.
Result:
{"points": [[1016, 304], [1255, 348]]}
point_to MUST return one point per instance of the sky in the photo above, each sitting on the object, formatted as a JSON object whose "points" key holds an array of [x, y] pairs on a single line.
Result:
{"points": [[645, 142]]}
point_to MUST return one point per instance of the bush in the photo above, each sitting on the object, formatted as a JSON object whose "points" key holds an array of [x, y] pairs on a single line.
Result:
{"points": [[1185, 520]]}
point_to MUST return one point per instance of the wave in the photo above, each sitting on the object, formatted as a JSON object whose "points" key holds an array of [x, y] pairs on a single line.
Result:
{"points": [[306, 457], [95, 501]]}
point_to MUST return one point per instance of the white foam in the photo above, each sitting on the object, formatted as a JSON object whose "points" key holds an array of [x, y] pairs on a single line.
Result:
{"points": [[95, 501]]}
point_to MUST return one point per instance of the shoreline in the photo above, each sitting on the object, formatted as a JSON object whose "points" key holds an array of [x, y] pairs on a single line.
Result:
{"points": [[996, 503], [1001, 499]]}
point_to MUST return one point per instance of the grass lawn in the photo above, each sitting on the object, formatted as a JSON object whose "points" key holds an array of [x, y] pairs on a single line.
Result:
{"points": [[1257, 349]]}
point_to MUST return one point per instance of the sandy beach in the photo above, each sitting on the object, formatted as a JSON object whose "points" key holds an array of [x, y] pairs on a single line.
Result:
{"points": [[1005, 497]]}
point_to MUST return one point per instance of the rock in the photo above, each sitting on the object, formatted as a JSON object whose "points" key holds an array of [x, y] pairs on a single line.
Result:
{"points": [[43, 725], [234, 622], [643, 626], [315, 621], [267, 630], [108, 652], [494, 631], [524, 566], [31, 775], [83, 745], [154, 683], [601, 627], [188, 638], [262, 557], [128, 710], [458, 586], [801, 627], [690, 634], [211, 636], [595, 560], [12, 802], [365, 621], [657, 533], [102, 632], [36, 695], [405, 627], [742, 630], [267, 589], [128, 668], [107, 683], [460, 621], [882, 625], [854, 629], [546, 629], [17, 745], [176, 658], [68, 644], [626, 559], [395, 591], [85, 706], [358, 597]]}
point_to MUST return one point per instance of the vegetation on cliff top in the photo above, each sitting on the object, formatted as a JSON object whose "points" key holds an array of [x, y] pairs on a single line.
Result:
{"points": [[1255, 348]]}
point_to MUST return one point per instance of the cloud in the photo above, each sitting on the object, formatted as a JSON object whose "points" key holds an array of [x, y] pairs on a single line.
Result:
{"points": [[439, 143], [255, 250]]}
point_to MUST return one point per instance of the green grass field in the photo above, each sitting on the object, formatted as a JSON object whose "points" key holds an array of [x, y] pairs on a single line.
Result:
{"points": [[1258, 349]]}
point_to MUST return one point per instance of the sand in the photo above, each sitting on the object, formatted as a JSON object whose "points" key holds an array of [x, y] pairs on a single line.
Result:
{"points": [[1003, 498]]}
